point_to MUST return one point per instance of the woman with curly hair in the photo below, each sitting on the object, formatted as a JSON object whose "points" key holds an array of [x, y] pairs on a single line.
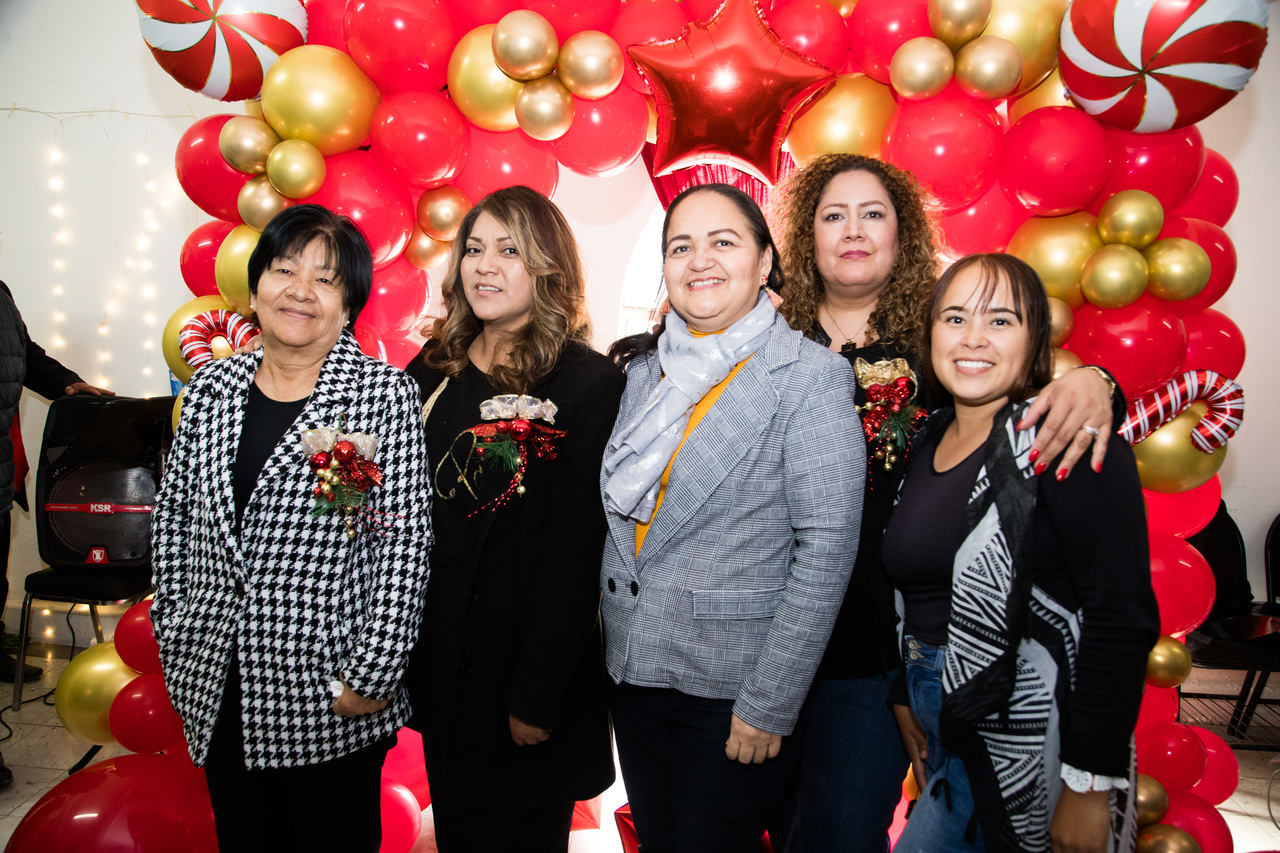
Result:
{"points": [[508, 681], [860, 261]]}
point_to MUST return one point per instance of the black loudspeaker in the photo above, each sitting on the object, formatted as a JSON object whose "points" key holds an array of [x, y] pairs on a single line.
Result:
{"points": [[97, 479]]}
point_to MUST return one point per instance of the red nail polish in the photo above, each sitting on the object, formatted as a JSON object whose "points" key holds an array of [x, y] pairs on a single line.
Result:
{"points": [[1097, 468], [1039, 469], [1033, 455], [1061, 475]]}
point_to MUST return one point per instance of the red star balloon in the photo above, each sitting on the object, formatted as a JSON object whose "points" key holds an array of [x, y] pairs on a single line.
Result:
{"points": [[727, 90]]}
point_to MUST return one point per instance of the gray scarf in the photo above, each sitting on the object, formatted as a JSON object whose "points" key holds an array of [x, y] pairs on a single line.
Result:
{"points": [[639, 452]]}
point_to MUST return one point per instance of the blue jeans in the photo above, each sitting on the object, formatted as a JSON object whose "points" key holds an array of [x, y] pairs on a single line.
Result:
{"points": [[943, 820], [851, 771]]}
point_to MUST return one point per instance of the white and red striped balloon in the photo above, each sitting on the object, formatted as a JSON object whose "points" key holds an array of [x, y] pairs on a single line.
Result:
{"points": [[221, 48], [1154, 65]]}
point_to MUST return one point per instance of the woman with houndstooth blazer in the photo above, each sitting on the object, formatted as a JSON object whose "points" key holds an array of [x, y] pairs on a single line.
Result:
{"points": [[285, 616]]}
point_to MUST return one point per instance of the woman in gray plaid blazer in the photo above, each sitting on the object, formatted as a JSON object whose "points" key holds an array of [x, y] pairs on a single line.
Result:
{"points": [[733, 486], [284, 630]]}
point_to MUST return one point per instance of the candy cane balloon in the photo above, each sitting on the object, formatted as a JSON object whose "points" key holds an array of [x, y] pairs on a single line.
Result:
{"points": [[1224, 397], [195, 338]]}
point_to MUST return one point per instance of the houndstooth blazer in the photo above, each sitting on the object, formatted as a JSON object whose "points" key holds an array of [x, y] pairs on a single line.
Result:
{"points": [[736, 588], [299, 602]]}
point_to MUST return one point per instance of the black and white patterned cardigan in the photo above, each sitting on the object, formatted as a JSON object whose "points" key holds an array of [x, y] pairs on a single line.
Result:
{"points": [[299, 601]]}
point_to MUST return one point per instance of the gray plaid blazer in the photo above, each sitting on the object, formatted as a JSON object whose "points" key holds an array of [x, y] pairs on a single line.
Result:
{"points": [[737, 586], [300, 602]]}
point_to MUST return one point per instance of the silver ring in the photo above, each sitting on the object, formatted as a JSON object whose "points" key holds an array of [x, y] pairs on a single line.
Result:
{"points": [[1093, 431]]}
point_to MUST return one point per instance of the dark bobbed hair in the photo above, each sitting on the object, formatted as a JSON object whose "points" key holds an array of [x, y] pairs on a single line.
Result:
{"points": [[1030, 304], [550, 255], [347, 253], [623, 351]]}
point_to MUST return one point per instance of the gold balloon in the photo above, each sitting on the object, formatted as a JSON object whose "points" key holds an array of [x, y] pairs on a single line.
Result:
{"points": [[1114, 276], [424, 252], [525, 45], [1169, 462], [253, 107], [169, 337], [1163, 838], [231, 267], [1131, 217], [1064, 361], [1168, 663], [1179, 268], [245, 143], [921, 68], [478, 87], [849, 119], [259, 202], [86, 689], [844, 7], [1057, 247], [956, 22], [544, 108], [1152, 800], [1062, 321], [1050, 93], [319, 94], [440, 212], [1032, 26], [590, 64], [177, 408], [296, 168], [988, 67]]}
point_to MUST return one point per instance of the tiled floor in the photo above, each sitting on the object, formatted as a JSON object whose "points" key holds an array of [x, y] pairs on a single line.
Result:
{"points": [[40, 751]]}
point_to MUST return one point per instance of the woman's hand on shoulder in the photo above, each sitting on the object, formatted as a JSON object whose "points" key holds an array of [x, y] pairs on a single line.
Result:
{"points": [[1081, 822], [749, 745], [1076, 409], [352, 704], [524, 734]]}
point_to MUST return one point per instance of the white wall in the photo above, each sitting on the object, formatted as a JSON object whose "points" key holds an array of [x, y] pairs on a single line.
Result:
{"points": [[80, 61]]}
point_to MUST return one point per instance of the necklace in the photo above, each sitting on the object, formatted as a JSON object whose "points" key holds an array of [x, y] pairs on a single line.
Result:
{"points": [[847, 346]]}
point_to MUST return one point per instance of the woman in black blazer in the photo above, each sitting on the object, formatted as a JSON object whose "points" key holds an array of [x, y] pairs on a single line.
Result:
{"points": [[508, 680]]}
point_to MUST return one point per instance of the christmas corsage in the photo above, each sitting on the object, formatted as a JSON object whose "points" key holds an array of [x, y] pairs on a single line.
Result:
{"points": [[344, 464], [889, 418]]}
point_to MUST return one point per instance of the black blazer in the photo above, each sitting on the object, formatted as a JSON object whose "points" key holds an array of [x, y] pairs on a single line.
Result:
{"points": [[512, 613]]}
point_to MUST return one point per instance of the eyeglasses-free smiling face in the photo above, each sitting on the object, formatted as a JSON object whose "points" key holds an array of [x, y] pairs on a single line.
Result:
{"points": [[300, 302], [980, 344], [713, 269], [855, 232], [497, 285]]}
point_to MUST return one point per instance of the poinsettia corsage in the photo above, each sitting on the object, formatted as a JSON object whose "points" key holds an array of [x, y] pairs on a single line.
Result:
{"points": [[507, 438], [889, 417], [344, 464]]}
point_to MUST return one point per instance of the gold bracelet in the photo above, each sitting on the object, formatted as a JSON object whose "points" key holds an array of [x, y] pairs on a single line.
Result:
{"points": [[1106, 377]]}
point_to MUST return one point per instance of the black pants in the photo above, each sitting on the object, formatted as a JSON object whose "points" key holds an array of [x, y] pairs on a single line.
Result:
{"points": [[533, 830], [334, 805], [686, 795]]}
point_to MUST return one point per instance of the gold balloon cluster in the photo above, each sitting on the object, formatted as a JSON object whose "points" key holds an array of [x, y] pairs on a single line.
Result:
{"points": [[440, 213], [1156, 837], [515, 73], [286, 169]]}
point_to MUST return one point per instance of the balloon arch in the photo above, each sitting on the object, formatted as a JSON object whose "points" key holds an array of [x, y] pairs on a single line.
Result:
{"points": [[1061, 133]]}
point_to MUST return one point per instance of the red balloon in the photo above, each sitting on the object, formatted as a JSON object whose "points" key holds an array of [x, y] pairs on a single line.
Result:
{"points": [[1167, 165], [405, 763], [1213, 343], [135, 639], [475, 13], [1183, 583], [1222, 260], [199, 251], [138, 803], [1222, 769], [401, 352], [419, 138], [401, 818], [326, 23], [1171, 754], [574, 16], [1054, 161], [499, 160], [984, 226], [1215, 195], [142, 718], [1159, 705], [1200, 820], [403, 45], [400, 292], [1142, 344], [606, 135], [642, 22], [356, 186], [369, 339], [812, 28], [206, 178], [951, 143], [1183, 514], [877, 28]]}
